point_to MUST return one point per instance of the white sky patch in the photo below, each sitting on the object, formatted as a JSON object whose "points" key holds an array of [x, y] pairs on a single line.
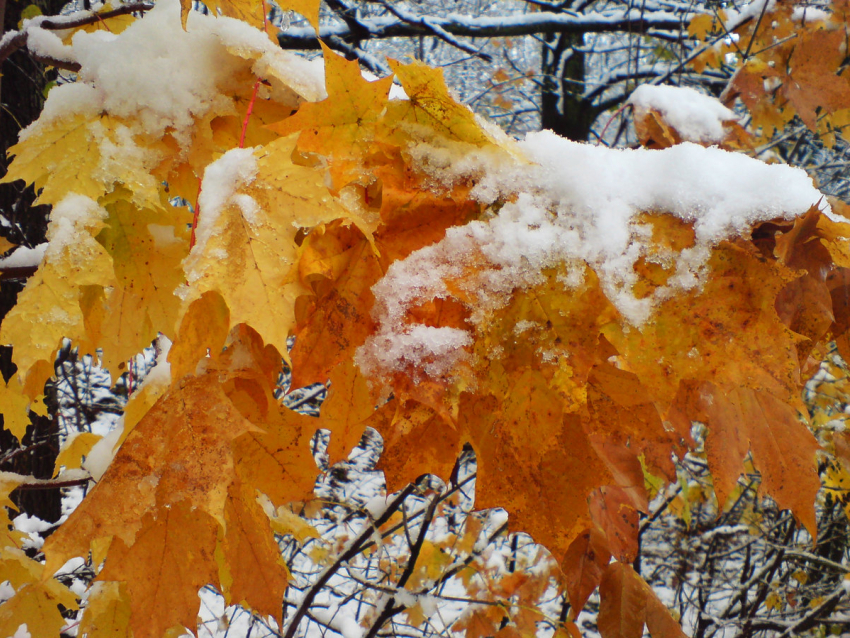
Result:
{"points": [[696, 117], [571, 203]]}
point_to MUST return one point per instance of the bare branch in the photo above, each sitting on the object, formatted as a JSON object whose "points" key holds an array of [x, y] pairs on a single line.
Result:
{"points": [[14, 40], [484, 27]]}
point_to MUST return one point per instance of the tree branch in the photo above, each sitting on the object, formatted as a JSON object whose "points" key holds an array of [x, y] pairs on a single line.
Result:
{"points": [[14, 40], [543, 22], [352, 550]]}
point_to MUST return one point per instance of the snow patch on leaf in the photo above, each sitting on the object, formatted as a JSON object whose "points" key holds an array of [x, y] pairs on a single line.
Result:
{"points": [[222, 181], [571, 203]]}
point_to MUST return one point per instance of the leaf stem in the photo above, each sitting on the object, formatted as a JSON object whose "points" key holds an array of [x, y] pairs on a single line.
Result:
{"points": [[248, 115]]}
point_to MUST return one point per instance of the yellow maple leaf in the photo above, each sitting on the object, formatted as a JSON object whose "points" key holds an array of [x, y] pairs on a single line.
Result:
{"points": [[146, 246], [75, 447], [341, 127], [107, 612], [430, 108], [247, 251], [175, 549], [48, 308], [349, 404], [203, 331], [88, 157], [161, 465], [14, 406], [36, 599], [251, 568]]}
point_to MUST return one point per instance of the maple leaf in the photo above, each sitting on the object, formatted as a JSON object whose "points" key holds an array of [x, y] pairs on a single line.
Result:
{"points": [[161, 465], [431, 106], [341, 127], [742, 420], [74, 449], [349, 404], [621, 412], [583, 565], [14, 405], [627, 603], [107, 612], [252, 570], [247, 253], [203, 329], [78, 155], [417, 441], [613, 512], [527, 439], [727, 330], [36, 599], [147, 247], [48, 308], [60, 159], [811, 83], [170, 559], [340, 265]]}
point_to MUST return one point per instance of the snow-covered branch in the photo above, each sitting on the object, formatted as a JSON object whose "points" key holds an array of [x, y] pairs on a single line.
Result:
{"points": [[544, 22], [35, 31]]}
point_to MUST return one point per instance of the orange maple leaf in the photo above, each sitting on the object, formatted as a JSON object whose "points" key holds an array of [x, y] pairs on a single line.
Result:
{"points": [[342, 126]]}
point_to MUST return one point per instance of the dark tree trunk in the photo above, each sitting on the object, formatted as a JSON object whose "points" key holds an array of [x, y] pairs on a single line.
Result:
{"points": [[563, 107], [22, 95]]}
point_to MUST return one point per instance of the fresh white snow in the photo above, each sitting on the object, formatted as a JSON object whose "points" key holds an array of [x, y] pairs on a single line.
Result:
{"points": [[570, 204], [696, 117]]}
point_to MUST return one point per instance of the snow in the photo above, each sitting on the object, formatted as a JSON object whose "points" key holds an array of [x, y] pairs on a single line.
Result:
{"points": [[807, 15], [485, 26], [24, 257], [750, 11], [159, 376], [69, 220], [162, 92], [222, 179], [185, 74], [569, 204], [47, 44], [306, 77], [376, 506], [696, 117], [30, 524], [6, 591]]}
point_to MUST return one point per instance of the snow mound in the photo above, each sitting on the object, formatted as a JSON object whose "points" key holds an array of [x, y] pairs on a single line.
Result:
{"points": [[163, 77], [696, 117]]}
